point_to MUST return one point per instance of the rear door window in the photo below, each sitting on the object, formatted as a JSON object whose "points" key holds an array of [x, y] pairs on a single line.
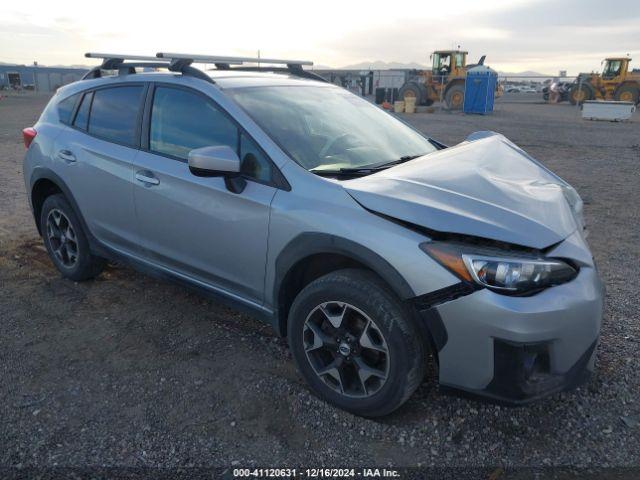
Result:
{"points": [[114, 114]]}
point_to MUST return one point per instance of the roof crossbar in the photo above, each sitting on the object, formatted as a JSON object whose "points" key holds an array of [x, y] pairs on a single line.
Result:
{"points": [[293, 67], [121, 56], [215, 59], [298, 72], [118, 61]]}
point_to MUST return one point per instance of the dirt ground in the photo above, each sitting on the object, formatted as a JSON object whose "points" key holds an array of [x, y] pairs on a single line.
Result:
{"points": [[129, 371]]}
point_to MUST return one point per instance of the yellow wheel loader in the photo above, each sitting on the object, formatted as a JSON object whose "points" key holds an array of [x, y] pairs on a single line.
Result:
{"points": [[445, 81], [615, 83]]}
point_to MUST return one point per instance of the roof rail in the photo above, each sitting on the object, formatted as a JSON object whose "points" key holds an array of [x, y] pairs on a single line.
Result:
{"points": [[118, 61]]}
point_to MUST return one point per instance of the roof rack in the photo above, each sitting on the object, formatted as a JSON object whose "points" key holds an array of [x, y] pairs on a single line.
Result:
{"points": [[218, 59], [293, 67], [124, 65], [181, 62]]}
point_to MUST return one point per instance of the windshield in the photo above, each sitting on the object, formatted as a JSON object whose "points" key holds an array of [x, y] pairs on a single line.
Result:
{"points": [[612, 68], [327, 128]]}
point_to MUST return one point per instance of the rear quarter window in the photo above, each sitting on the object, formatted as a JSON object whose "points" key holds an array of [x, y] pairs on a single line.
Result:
{"points": [[65, 108], [114, 114]]}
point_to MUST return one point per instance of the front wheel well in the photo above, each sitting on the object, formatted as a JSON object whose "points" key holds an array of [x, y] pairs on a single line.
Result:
{"points": [[305, 271], [42, 189]]}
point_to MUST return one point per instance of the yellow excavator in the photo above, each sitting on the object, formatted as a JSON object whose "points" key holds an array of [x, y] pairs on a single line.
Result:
{"points": [[444, 81], [615, 83]]}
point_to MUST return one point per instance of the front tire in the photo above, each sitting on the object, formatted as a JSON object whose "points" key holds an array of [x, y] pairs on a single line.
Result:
{"points": [[355, 343], [66, 242], [627, 93], [454, 97]]}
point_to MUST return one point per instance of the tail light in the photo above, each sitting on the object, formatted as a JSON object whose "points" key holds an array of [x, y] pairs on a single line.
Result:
{"points": [[28, 134]]}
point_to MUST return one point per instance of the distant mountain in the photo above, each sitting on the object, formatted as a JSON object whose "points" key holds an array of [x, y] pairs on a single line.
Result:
{"points": [[380, 65]]}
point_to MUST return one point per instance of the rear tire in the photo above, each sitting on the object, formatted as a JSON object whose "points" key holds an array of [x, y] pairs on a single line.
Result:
{"points": [[66, 242], [454, 97], [415, 90], [627, 93], [355, 343]]}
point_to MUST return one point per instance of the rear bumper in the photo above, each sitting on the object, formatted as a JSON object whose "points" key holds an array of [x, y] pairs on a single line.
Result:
{"points": [[517, 349]]}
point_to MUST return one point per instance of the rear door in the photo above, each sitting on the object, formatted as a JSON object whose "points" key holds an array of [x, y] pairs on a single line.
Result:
{"points": [[95, 157], [192, 225]]}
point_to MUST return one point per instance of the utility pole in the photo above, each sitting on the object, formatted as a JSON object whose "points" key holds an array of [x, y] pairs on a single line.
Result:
{"points": [[35, 76]]}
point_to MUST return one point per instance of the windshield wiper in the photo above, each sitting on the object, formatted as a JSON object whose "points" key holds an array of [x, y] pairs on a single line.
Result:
{"points": [[365, 169], [380, 166], [351, 172]]}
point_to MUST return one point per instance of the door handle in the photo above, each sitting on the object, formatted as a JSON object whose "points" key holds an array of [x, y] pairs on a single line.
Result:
{"points": [[67, 156], [147, 178]]}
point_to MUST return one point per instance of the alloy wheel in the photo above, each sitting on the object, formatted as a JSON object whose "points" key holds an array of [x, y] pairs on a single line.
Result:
{"points": [[346, 349], [62, 238]]}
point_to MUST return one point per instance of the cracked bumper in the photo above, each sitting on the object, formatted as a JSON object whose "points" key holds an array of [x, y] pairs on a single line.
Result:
{"points": [[517, 349]]}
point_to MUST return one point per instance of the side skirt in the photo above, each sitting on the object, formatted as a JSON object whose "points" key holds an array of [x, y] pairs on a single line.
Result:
{"points": [[201, 288]]}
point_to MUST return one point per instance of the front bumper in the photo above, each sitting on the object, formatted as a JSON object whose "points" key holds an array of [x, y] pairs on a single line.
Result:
{"points": [[517, 349]]}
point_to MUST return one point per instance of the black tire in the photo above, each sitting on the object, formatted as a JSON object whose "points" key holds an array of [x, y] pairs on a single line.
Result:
{"points": [[454, 97], [580, 93], [627, 93], [406, 348], [79, 265], [413, 89]]}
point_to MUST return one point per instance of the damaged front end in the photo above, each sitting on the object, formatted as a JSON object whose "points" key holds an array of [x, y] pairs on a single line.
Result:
{"points": [[524, 320]]}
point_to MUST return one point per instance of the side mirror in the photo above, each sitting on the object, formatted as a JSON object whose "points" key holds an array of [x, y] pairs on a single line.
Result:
{"points": [[218, 161], [214, 161]]}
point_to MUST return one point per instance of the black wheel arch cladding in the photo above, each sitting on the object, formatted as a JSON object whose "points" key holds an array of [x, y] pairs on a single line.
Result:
{"points": [[46, 174], [308, 244]]}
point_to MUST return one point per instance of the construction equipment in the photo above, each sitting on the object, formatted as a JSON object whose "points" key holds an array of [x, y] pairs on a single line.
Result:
{"points": [[445, 81], [616, 82]]}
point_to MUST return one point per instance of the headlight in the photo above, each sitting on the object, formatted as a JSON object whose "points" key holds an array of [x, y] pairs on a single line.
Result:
{"points": [[502, 273]]}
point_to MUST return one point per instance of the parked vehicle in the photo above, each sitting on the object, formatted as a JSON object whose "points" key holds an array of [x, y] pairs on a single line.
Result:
{"points": [[520, 89], [562, 88], [364, 242]]}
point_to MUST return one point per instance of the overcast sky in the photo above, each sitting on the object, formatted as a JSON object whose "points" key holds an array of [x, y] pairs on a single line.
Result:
{"points": [[516, 35]]}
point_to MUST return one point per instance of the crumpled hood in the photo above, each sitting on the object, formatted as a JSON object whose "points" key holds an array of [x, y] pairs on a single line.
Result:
{"points": [[486, 187]]}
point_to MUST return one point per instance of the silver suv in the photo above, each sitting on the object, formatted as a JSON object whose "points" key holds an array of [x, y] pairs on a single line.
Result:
{"points": [[364, 242]]}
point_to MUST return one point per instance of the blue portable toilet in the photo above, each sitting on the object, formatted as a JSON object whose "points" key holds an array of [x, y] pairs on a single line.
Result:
{"points": [[480, 90]]}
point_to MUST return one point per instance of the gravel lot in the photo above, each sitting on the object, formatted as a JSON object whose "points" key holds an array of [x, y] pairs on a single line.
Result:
{"points": [[129, 371]]}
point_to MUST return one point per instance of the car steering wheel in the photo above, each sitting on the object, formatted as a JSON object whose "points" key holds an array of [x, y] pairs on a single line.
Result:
{"points": [[330, 143]]}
